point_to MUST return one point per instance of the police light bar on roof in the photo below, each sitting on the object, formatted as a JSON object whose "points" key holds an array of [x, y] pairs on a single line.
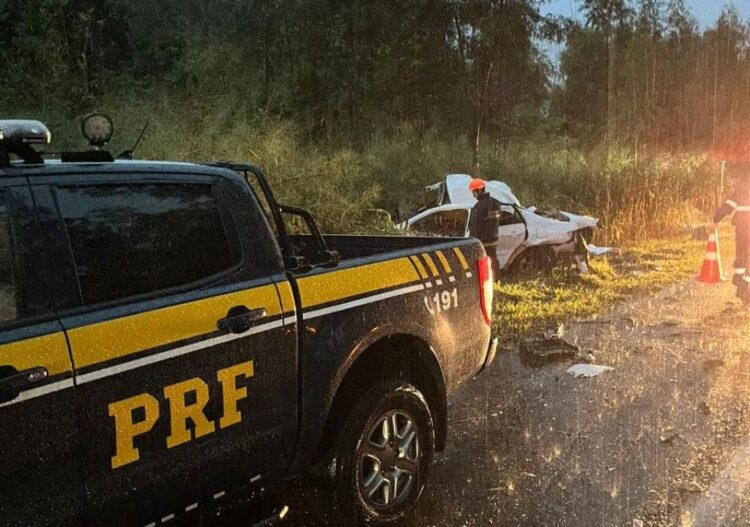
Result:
{"points": [[22, 132], [16, 138]]}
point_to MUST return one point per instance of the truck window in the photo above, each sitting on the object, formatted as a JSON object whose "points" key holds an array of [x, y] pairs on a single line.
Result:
{"points": [[8, 301], [131, 239]]}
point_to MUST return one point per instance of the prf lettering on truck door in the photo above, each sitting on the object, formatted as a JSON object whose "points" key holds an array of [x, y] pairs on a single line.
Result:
{"points": [[137, 415]]}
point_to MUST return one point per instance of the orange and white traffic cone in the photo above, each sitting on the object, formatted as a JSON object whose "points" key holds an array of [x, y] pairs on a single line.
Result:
{"points": [[711, 272]]}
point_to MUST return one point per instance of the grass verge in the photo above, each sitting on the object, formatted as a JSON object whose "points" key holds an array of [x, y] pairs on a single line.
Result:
{"points": [[525, 306]]}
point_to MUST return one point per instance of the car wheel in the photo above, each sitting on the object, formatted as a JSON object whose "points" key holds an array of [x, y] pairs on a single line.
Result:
{"points": [[532, 261], [524, 264], [384, 455]]}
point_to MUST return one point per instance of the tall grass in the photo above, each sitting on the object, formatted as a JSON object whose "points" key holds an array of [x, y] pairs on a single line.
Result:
{"points": [[357, 190], [634, 198]]}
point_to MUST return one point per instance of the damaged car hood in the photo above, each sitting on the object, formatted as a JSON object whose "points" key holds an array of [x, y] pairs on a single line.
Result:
{"points": [[543, 230]]}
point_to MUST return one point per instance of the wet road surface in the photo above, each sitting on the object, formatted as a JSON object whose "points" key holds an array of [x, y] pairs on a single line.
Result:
{"points": [[664, 438]]}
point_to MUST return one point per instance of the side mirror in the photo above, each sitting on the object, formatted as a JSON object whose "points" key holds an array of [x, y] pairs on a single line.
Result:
{"points": [[297, 263], [327, 258]]}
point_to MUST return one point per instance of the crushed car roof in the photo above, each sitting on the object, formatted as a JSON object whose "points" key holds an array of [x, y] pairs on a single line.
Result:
{"points": [[457, 190]]}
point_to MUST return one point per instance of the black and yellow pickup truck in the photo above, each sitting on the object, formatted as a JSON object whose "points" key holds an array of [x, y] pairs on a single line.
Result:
{"points": [[167, 342]]}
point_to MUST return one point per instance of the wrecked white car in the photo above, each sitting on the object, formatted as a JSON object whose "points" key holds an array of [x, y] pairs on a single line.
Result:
{"points": [[530, 240]]}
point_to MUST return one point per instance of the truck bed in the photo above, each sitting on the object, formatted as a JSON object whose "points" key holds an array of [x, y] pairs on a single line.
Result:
{"points": [[356, 246]]}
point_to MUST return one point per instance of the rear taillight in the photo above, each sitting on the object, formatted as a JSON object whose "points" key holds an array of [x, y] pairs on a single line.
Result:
{"points": [[486, 284]]}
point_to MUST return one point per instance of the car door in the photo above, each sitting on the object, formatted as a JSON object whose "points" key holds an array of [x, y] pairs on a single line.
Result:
{"points": [[40, 480], [511, 233], [186, 373]]}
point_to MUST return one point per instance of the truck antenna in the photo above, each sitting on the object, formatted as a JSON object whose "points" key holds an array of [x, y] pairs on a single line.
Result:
{"points": [[128, 154]]}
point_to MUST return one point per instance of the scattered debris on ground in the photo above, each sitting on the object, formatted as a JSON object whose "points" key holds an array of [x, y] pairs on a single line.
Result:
{"points": [[556, 333], [599, 251], [588, 370], [668, 435], [550, 347]]}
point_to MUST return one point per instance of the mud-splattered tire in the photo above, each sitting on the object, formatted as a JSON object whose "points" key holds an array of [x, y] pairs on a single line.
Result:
{"points": [[383, 455], [531, 262]]}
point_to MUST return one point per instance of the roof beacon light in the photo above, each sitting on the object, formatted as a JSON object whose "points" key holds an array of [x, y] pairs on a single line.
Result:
{"points": [[97, 128], [16, 138], [22, 132]]}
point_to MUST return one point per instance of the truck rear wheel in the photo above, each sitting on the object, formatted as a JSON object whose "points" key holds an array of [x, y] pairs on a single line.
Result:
{"points": [[384, 454]]}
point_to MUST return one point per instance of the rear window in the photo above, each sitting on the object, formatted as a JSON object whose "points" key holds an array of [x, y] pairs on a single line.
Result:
{"points": [[132, 239], [444, 223]]}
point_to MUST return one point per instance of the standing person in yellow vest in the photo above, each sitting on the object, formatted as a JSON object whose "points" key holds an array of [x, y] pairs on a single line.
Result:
{"points": [[739, 204]]}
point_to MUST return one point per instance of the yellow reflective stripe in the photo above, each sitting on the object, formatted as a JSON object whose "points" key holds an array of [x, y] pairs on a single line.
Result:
{"points": [[120, 337], [461, 259], [49, 351], [444, 262], [420, 268], [354, 281], [287, 297], [430, 264]]}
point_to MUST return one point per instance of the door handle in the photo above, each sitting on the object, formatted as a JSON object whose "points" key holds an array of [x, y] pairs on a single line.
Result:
{"points": [[13, 382], [240, 319]]}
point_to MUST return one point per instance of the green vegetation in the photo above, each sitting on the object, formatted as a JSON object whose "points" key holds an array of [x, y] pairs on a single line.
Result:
{"points": [[363, 189], [353, 107], [522, 307]]}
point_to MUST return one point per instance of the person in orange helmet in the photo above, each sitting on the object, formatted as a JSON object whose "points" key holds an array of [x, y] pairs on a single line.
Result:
{"points": [[485, 221]]}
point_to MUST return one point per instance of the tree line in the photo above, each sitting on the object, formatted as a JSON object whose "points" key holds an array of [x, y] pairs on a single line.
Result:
{"points": [[641, 73], [654, 78]]}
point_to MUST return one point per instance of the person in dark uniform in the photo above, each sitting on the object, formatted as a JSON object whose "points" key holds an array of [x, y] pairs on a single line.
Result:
{"points": [[485, 220], [739, 204]]}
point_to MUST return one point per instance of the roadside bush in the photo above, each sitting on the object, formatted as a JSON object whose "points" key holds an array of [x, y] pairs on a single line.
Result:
{"points": [[634, 198], [404, 163], [363, 190]]}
